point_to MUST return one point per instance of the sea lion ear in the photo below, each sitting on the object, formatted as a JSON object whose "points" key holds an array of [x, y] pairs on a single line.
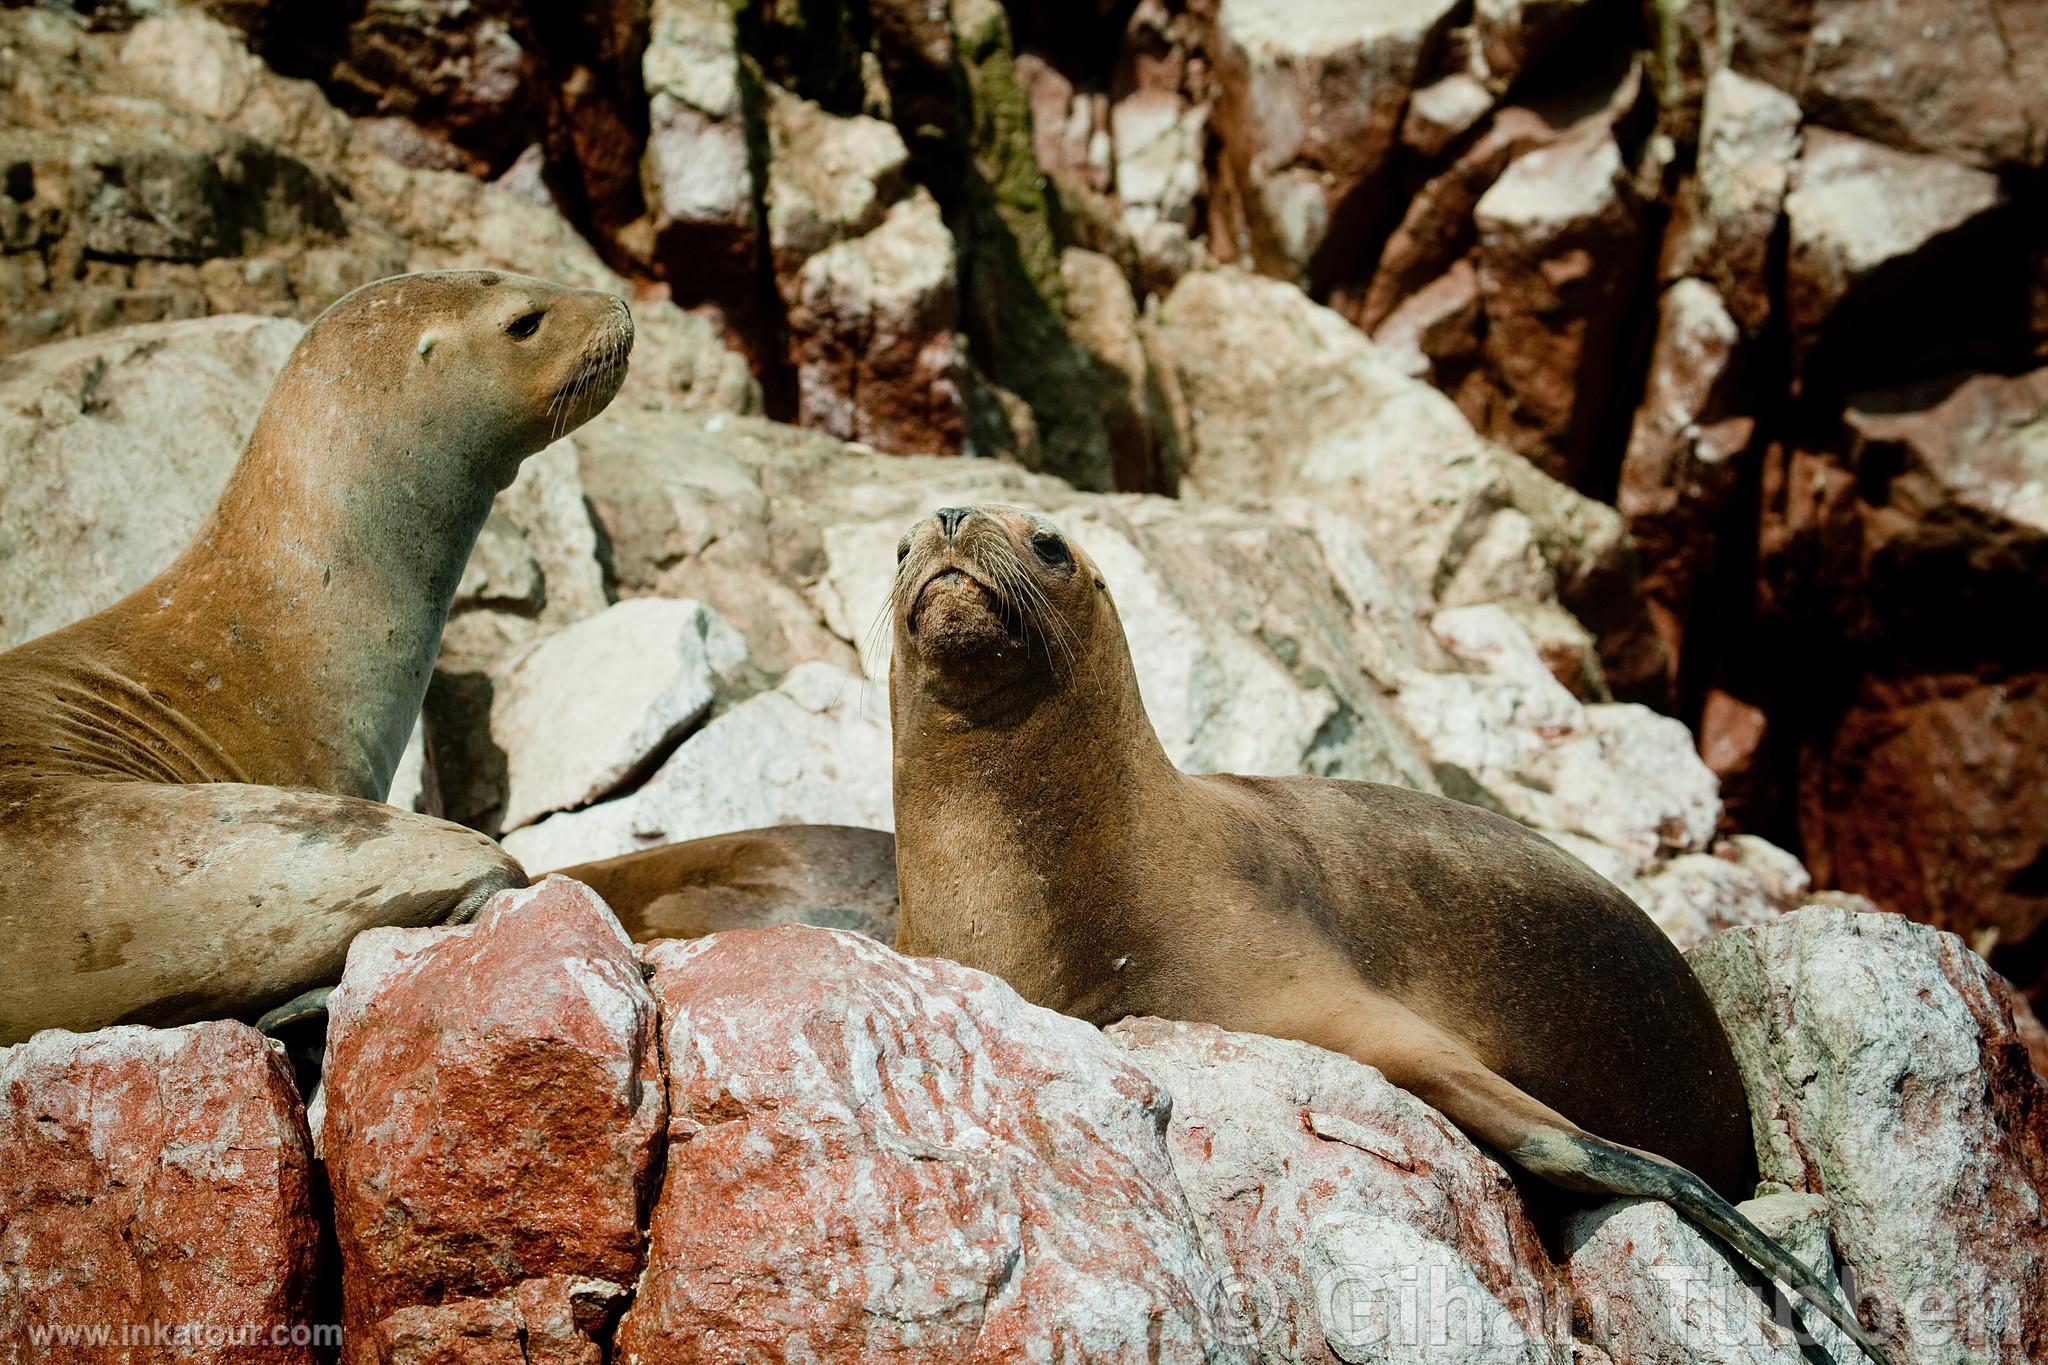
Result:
{"points": [[427, 341]]}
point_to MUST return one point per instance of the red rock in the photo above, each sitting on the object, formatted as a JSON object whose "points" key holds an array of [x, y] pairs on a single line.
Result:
{"points": [[494, 1102], [1354, 1220], [1942, 76], [1310, 95], [1559, 238], [887, 1159], [160, 1179], [1682, 472]]}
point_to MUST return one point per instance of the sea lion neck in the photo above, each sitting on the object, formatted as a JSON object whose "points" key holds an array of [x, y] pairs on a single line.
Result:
{"points": [[317, 589]]}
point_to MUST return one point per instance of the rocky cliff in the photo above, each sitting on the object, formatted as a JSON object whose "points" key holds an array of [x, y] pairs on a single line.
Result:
{"points": [[1626, 421]]}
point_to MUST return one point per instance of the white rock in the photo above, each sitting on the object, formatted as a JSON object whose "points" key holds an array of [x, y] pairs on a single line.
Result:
{"points": [[591, 705], [1352, 1221], [1655, 1290], [1884, 1069], [815, 750], [117, 445]]}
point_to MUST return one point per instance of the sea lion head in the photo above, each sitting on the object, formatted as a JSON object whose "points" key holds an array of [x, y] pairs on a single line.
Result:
{"points": [[996, 608], [474, 366]]}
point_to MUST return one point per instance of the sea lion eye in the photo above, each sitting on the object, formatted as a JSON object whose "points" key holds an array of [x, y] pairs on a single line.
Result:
{"points": [[524, 326], [1050, 548], [902, 549]]}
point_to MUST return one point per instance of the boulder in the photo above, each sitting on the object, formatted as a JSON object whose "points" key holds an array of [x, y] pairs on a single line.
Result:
{"points": [[595, 704], [872, 335], [119, 444], [1917, 542], [829, 179], [1309, 104], [1949, 77], [1268, 394], [814, 750], [696, 169], [1749, 143], [1874, 234], [1651, 1287], [1508, 736], [1350, 1220], [493, 1118], [1689, 450], [1559, 238], [1885, 1071], [887, 1158], [158, 1185]]}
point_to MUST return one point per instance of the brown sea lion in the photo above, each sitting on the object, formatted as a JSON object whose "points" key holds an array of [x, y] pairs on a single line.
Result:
{"points": [[190, 781], [836, 876], [1043, 835]]}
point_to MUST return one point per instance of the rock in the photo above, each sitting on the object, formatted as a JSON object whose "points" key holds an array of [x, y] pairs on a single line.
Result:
{"points": [[592, 705], [1696, 895], [1441, 113], [160, 1177], [1267, 395], [1559, 235], [494, 1109], [815, 750], [700, 182], [1437, 229], [1940, 76], [829, 178], [888, 1158], [1069, 128], [1749, 142], [1103, 322], [1884, 1069], [1869, 228], [1158, 139], [872, 324], [1652, 1287], [1512, 34], [1917, 543], [119, 445], [1508, 736], [1681, 476], [1310, 97], [1435, 333], [1350, 1220]]}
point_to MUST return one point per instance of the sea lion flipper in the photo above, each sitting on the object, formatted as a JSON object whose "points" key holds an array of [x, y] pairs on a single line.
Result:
{"points": [[211, 900], [1440, 1069], [1592, 1164], [300, 1008]]}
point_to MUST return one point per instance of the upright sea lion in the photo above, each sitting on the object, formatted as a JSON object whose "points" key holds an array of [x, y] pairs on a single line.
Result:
{"points": [[190, 781], [1042, 834]]}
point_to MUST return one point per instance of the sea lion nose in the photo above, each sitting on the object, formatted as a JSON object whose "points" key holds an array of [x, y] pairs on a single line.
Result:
{"points": [[950, 519]]}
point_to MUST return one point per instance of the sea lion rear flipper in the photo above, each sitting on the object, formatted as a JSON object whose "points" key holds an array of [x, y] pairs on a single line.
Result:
{"points": [[212, 900], [1431, 1064], [300, 1008]]}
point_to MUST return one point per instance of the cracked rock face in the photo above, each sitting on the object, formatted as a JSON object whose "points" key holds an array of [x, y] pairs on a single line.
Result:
{"points": [[161, 1178]]}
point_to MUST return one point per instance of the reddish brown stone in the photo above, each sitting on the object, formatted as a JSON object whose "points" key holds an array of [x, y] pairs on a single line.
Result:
{"points": [[494, 1105], [1560, 238], [154, 1181], [896, 1160]]}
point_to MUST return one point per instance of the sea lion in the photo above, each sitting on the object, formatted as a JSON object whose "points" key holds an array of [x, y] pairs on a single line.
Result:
{"points": [[836, 876], [1043, 834], [190, 781]]}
